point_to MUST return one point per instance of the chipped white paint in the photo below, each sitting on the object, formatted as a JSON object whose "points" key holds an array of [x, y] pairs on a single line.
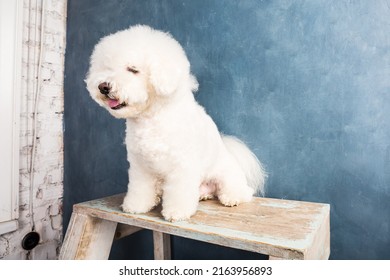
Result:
{"points": [[286, 205], [297, 232]]}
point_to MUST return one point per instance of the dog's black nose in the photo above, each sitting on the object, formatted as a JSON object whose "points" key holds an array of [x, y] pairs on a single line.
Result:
{"points": [[104, 88]]}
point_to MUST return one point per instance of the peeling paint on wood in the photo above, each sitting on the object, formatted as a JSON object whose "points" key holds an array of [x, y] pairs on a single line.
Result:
{"points": [[279, 228]]}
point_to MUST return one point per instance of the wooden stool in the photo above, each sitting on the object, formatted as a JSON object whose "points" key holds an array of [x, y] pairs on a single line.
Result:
{"points": [[282, 229]]}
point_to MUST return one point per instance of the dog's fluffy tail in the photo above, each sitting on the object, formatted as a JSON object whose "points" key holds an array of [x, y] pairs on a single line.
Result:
{"points": [[253, 170]]}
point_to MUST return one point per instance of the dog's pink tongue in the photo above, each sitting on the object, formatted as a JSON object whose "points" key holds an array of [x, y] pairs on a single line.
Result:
{"points": [[113, 103]]}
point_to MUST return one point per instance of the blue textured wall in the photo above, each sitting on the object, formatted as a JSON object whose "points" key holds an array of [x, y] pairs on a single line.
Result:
{"points": [[305, 83]]}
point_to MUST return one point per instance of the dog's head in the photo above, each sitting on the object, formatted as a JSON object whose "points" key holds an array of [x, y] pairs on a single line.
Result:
{"points": [[133, 69]]}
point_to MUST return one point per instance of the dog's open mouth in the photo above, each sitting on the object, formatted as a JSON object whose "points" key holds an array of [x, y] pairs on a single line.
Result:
{"points": [[114, 104]]}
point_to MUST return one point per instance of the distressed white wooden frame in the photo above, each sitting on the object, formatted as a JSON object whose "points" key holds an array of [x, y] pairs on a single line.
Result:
{"points": [[11, 28]]}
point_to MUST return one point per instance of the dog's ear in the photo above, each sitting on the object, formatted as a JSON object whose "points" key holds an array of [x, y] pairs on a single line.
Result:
{"points": [[166, 74]]}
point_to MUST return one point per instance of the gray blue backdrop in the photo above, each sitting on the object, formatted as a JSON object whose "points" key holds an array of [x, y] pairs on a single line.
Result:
{"points": [[305, 83]]}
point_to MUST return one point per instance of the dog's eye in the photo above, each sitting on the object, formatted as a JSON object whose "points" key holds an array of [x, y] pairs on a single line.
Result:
{"points": [[132, 70]]}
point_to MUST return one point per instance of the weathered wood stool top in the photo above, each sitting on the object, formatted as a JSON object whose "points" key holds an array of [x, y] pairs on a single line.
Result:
{"points": [[279, 228]]}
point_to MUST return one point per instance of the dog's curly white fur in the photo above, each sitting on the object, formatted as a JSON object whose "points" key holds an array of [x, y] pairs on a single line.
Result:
{"points": [[175, 151]]}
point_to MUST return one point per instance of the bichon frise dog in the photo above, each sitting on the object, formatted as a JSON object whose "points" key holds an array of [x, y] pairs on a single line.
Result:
{"points": [[175, 151]]}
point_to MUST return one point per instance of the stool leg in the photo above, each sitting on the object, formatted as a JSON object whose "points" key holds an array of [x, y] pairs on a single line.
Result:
{"points": [[87, 238], [162, 246]]}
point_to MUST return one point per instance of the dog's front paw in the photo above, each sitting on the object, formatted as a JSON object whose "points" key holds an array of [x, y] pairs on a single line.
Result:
{"points": [[136, 206], [176, 215], [233, 198]]}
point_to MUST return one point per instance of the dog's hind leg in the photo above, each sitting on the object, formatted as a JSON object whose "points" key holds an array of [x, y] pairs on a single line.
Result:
{"points": [[232, 188]]}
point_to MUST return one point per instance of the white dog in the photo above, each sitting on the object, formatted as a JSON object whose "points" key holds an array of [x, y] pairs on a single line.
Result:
{"points": [[175, 151]]}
